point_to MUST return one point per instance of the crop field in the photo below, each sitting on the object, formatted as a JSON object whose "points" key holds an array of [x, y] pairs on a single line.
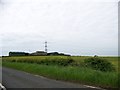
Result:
{"points": [[70, 68]]}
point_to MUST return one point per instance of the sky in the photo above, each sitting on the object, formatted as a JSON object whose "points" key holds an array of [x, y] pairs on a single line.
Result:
{"points": [[76, 27]]}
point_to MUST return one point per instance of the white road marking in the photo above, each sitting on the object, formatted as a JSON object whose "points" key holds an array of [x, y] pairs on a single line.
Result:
{"points": [[94, 87], [2, 87], [41, 76]]}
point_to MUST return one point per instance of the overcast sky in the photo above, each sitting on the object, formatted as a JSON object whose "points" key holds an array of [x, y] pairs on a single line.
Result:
{"points": [[70, 26]]}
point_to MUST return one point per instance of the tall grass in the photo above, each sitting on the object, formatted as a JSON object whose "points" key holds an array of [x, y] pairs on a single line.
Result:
{"points": [[81, 75]]}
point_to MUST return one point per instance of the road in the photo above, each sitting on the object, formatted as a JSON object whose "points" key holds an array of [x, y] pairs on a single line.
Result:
{"points": [[19, 79]]}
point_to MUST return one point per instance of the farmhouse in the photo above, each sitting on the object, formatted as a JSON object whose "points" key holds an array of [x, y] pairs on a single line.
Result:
{"points": [[18, 54], [57, 54], [39, 53]]}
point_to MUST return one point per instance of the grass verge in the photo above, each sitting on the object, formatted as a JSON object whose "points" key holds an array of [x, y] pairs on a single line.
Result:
{"points": [[75, 74]]}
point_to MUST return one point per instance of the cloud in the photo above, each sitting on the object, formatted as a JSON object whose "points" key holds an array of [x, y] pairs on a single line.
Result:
{"points": [[73, 27]]}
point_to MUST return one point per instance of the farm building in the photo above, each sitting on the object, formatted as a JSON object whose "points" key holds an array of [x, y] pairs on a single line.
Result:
{"points": [[57, 54], [18, 54], [39, 53]]}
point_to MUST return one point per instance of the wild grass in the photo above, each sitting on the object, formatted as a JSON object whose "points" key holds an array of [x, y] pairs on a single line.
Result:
{"points": [[75, 74], [50, 66]]}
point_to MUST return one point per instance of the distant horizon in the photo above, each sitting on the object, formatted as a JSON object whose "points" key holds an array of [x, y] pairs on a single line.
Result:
{"points": [[64, 53]]}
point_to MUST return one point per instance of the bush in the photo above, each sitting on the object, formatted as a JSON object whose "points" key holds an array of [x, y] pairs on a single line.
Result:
{"points": [[57, 61], [99, 64]]}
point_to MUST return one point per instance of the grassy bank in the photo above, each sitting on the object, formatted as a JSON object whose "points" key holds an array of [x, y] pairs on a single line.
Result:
{"points": [[69, 73]]}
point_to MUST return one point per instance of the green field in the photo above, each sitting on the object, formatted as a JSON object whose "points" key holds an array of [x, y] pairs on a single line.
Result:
{"points": [[0, 61], [66, 68]]}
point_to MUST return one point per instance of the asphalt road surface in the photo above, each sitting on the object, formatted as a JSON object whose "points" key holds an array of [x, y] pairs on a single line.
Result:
{"points": [[19, 79]]}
